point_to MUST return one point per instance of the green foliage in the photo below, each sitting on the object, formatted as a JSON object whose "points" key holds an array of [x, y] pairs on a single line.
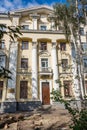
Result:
{"points": [[12, 33], [5, 73], [78, 117], [67, 17]]}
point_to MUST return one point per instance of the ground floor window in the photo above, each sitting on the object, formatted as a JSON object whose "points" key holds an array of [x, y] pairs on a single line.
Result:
{"points": [[23, 89], [67, 88], [1, 88]]}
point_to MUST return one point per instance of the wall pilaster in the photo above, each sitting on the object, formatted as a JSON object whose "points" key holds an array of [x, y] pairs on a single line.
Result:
{"points": [[54, 66], [34, 71]]}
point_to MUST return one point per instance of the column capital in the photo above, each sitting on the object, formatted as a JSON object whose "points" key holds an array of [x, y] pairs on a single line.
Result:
{"points": [[34, 43], [54, 44]]}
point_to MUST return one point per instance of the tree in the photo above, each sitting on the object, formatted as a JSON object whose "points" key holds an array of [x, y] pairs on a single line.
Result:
{"points": [[12, 33], [70, 16]]}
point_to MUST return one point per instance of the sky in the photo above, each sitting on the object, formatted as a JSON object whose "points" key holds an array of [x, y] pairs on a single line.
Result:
{"points": [[7, 5]]}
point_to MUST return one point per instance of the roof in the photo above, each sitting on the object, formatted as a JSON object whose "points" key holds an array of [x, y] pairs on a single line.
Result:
{"points": [[32, 9]]}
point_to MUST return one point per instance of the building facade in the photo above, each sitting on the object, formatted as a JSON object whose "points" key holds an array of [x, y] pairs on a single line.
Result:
{"points": [[38, 59]]}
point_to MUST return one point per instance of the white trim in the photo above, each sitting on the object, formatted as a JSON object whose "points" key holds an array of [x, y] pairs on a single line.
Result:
{"points": [[50, 87], [44, 58]]}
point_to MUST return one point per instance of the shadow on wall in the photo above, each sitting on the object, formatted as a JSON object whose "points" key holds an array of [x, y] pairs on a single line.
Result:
{"points": [[12, 107]]}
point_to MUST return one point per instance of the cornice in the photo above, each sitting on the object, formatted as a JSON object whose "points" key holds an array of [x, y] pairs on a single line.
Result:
{"points": [[31, 9]]}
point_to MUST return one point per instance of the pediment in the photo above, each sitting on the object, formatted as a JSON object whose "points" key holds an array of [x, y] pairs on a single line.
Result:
{"points": [[32, 10], [44, 54]]}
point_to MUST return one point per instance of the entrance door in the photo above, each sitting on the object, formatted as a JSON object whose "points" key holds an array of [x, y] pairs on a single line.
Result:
{"points": [[45, 93]]}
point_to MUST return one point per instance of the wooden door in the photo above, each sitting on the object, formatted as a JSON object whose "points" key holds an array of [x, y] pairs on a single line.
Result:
{"points": [[23, 89], [45, 93]]}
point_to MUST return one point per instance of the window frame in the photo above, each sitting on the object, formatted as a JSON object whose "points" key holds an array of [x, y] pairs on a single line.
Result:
{"points": [[63, 46], [43, 46], [45, 62], [67, 89], [65, 64], [25, 45], [2, 44], [25, 66], [43, 27], [81, 31], [25, 27]]}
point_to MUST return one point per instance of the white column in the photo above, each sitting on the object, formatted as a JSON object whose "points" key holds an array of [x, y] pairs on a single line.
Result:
{"points": [[55, 66], [34, 72], [15, 20], [35, 18], [11, 88]]}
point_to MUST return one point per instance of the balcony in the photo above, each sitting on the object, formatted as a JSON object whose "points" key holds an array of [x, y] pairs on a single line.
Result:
{"points": [[24, 70], [45, 71]]}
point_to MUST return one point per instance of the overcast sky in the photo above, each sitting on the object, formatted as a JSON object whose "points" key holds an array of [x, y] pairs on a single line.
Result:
{"points": [[7, 5]]}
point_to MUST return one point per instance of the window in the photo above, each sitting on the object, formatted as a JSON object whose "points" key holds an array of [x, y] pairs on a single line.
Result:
{"points": [[24, 63], [81, 31], [23, 89], [2, 60], [43, 46], [67, 88], [2, 44], [1, 88], [44, 64], [63, 46], [43, 28], [84, 46], [25, 27], [85, 62], [64, 63], [25, 45]]}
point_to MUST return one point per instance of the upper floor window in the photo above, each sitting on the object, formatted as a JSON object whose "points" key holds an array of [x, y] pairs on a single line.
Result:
{"points": [[44, 64], [2, 60], [2, 44], [43, 46], [43, 27], [63, 46], [84, 46], [81, 31], [85, 62], [25, 45], [24, 63], [1, 88], [67, 85], [64, 63], [25, 27]]}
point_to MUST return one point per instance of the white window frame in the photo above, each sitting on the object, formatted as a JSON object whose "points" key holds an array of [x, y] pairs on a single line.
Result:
{"points": [[45, 62]]}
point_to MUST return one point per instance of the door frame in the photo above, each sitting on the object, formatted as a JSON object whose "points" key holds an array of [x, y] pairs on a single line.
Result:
{"points": [[50, 87]]}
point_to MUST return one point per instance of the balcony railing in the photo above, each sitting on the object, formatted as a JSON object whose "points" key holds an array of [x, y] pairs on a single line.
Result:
{"points": [[24, 70], [46, 70]]}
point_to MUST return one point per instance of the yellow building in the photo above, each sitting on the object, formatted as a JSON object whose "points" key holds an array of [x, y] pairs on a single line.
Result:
{"points": [[37, 60]]}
